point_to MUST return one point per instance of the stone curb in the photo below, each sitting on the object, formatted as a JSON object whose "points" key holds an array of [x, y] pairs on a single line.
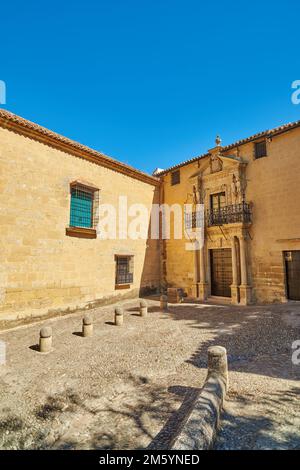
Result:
{"points": [[200, 427]]}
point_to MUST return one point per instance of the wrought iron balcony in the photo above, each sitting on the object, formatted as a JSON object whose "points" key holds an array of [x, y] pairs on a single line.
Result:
{"points": [[229, 215]]}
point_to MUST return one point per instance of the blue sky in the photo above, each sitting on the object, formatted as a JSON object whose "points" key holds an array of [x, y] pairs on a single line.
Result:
{"points": [[151, 83]]}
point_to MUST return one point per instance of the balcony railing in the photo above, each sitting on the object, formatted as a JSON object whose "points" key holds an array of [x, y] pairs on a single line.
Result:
{"points": [[229, 215], [126, 278]]}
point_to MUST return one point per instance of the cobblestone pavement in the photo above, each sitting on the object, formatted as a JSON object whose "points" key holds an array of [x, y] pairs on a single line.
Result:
{"points": [[117, 389]]}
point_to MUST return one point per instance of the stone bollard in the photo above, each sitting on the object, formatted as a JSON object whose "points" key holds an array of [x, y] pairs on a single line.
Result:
{"points": [[46, 339], [87, 326], [217, 362], [143, 308], [164, 303], [119, 316]]}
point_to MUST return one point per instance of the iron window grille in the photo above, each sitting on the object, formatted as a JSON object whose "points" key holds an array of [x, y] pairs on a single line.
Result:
{"points": [[260, 149], [193, 220], [81, 211], [175, 177], [124, 270]]}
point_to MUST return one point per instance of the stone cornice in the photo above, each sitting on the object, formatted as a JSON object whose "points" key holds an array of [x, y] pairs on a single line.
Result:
{"points": [[33, 131]]}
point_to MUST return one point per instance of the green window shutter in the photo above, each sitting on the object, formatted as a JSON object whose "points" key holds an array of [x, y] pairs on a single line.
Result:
{"points": [[81, 208]]}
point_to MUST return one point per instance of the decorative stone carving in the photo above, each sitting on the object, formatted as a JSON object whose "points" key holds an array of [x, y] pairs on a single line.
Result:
{"points": [[218, 141], [216, 164], [236, 190], [196, 195], [201, 188]]}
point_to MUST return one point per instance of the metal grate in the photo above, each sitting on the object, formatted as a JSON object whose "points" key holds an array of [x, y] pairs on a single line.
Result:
{"points": [[96, 203], [81, 214], [123, 270], [175, 177], [194, 219], [260, 149]]}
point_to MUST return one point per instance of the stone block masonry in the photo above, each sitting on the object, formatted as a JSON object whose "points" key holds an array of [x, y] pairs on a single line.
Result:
{"points": [[44, 272]]}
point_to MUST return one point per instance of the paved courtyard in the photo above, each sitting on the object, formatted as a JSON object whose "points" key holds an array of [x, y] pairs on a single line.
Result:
{"points": [[117, 389]]}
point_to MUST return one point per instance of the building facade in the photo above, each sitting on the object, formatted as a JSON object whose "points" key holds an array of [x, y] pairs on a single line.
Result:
{"points": [[53, 259], [250, 192]]}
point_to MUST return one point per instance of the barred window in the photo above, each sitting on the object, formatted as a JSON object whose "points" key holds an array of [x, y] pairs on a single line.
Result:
{"points": [[193, 220], [175, 177], [81, 208], [260, 149], [124, 270]]}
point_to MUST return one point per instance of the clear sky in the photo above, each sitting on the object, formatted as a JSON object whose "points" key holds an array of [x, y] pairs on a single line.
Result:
{"points": [[151, 83]]}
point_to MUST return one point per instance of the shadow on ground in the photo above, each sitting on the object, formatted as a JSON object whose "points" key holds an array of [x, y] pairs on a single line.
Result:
{"points": [[277, 429], [258, 342], [149, 403], [253, 336]]}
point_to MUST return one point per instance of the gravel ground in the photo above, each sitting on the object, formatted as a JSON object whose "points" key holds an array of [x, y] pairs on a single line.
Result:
{"points": [[117, 389]]}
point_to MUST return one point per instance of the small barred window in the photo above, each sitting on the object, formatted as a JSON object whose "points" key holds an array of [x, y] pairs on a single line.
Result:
{"points": [[260, 149], [124, 270], [175, 177]]}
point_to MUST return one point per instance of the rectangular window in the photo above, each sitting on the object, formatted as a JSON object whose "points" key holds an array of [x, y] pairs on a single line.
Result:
{"points": [[217, 201], [175, 177], [81, 208], [260, 149], [124, 270]]}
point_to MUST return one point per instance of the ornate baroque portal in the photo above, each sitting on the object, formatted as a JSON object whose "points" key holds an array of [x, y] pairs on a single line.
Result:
{"points": [[221, 263]]}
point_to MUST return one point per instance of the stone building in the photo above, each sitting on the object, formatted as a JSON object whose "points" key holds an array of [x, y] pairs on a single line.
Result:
{"points": [[52, 259], [250, 191]]}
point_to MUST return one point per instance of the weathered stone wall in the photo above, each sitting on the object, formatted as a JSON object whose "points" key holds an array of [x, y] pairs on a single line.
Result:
{"points": [[273, 186], [179, 263], [43, 271]]}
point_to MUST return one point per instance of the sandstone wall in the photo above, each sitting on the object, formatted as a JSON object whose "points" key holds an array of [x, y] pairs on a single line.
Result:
{"points": [[41, 269]]}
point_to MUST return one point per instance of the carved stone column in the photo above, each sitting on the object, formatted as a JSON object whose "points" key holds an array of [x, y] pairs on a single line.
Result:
{"points": [[195, 287], [245, 289], [234, 285], [203, 282]]}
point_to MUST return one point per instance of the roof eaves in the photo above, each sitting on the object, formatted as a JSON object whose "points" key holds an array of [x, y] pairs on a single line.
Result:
{"points": [[267, 133], [20, 125]]}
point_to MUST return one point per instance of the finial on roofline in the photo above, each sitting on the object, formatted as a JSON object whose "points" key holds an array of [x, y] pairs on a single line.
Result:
{"points": [[218, 141]]}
